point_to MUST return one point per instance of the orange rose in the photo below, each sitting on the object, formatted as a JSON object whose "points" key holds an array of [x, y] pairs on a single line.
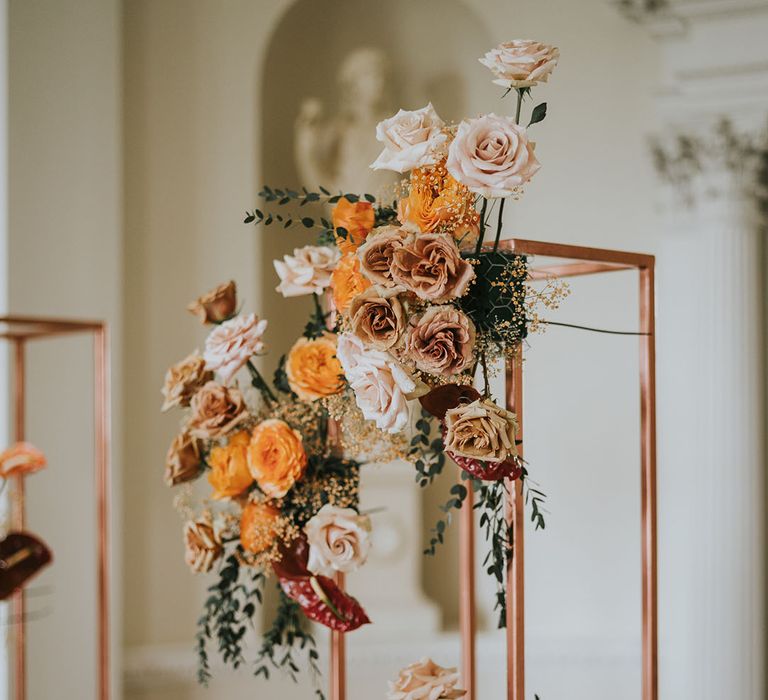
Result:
{"points": [[436, 202], [258, 526], [20, 460], [313, 369], [347, 282], [229, 473], [357, 219], [276, 457]]}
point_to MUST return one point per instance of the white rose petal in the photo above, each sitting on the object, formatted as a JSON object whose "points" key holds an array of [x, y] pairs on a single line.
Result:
{"points": [[339, 540], [521, 63], [232, 343], [307, 271], [412, 139]]}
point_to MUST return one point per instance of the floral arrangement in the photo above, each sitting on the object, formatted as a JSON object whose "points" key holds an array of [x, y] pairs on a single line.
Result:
{"points": [[409, 304]]}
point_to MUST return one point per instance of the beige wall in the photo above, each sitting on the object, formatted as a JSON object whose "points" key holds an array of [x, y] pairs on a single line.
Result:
{"points": [[65, 250]]}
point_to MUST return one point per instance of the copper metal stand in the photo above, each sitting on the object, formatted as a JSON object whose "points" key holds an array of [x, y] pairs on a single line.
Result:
{"points": [[579, 261], [20, 331]]}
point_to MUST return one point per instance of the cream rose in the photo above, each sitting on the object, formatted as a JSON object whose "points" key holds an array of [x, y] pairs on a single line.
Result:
{"points": [[492, 156], [382, 386], [231, 344], [432, 268], [339, 540], [378, 250], [377, 316], [307, 271], [480, 430], [521, 63], [412, 139], [441, 341], [426, 680]]}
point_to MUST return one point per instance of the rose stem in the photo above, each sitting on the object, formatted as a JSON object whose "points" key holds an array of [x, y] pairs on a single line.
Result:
{"points": [[260, 384], [482, 226], [520, 93], [499, 223], [484, 363]]}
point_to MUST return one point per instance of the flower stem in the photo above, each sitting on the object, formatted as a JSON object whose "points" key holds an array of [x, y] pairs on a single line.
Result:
{"points": [[487, 386], [259, 383], [482, 226], [520, 93], [499, 223]]}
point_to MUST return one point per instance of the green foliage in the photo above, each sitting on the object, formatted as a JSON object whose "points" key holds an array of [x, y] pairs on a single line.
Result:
{"points": [[280, 379], [538, 114], [459, 494], [283, 639], [229, 608], [318, 320], [535, 498], [427, 455]]}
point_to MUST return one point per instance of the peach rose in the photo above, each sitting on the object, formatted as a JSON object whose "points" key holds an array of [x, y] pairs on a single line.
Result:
{"points": [[377, 316], [426, 680], [307, 271], [347, 282], [432, 268], [312, 368], [229, 474], [203, 545], [412, 139], [231, 344], [216, 410], [183, 380], [276, 457], [521, 63], [376, 253], [356, 218], [492, 156], [183, 461], [480, 430], [339, 540], [217, 305], [441, 341], [21, 459], [258, 526]]}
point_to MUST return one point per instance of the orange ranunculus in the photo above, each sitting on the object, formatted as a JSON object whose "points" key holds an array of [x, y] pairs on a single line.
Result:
{"points": [[258, 526], [21, 459], [229, 473], [276, 457], [357, 219], [436, 202], [347, 282], [313, 369]]}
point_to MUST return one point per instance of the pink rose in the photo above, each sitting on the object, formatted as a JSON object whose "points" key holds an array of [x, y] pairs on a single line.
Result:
{"points": [[492, 156], [307, 271], [377, 252], [412, 139], [431, 267], [426, 680], [231, 344], [441, 341], [339, 540], [521, 63]]}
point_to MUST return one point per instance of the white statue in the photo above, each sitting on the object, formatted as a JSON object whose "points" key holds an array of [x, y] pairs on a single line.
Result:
{"points": [[336, 151]]}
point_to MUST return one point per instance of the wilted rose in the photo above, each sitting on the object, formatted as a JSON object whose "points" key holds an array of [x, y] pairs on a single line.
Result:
{"points": [[492, 156], [231, 344], [521, 63], [441, 341], [216, 410], [202, 543], [481, 430], [412, 139], [426, 680], [339, 540], [377, 316], [377, 252], [183, 461], [183, 380], [217, 305], [431, 267], [307, 271]]}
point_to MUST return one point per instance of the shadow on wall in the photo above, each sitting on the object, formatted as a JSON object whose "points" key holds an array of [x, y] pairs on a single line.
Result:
{"points": [[304, 58]]}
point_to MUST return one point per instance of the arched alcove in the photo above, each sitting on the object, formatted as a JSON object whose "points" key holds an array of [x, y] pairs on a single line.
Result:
{"points": [[432, 47]]}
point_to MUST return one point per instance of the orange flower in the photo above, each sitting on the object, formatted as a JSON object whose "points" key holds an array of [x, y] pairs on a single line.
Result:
{"points": [[313, 369], [258, 526], [347, 282], [436, 202], [357, 219], [276, 457], [229, 473], [21, 459]]}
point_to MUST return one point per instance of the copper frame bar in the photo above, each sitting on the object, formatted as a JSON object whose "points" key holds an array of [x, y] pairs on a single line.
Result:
{"points": [[338, 681], [590, 261], [21, 330]]}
